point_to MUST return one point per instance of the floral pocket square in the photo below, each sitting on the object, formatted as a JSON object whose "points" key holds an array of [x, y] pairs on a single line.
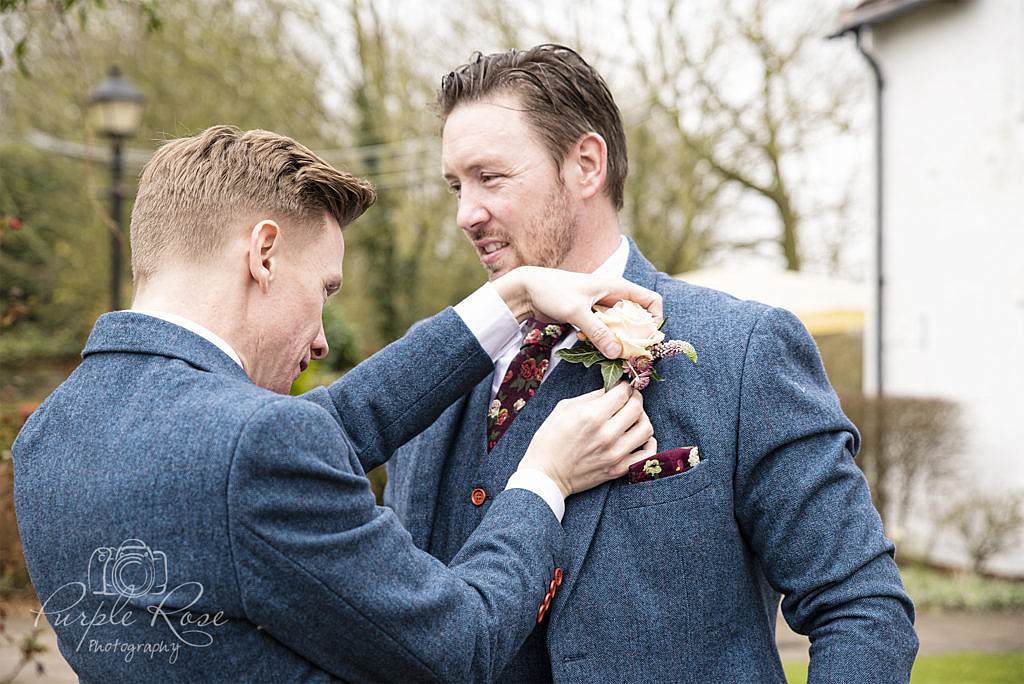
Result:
{"points": [[665, 464]]}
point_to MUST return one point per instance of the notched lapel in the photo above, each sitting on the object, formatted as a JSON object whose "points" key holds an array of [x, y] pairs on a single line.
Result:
{"points": [[582, 511]]}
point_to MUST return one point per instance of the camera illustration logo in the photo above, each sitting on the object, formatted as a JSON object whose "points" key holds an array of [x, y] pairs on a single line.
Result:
{"points": [[130, 570]]}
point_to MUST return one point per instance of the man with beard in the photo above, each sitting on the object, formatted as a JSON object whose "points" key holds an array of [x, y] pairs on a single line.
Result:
{"points": [[676, 578]]}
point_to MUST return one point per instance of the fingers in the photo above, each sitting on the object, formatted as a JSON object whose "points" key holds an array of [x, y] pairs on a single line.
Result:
{"points": [[626, 417], [650, 448], [611, 402], [637, 436], [598, 333], [620, 288]]}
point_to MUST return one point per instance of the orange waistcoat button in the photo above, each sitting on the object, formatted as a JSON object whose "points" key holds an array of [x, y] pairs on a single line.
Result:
{"points": [[478, 496]]}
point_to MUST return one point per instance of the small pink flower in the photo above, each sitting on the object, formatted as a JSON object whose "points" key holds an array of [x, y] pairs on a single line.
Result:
{"points": [[532, 391], [669, 349], [640, 363], [533, 337], [640, 382], [528, 370], [518, 406], [507, 378], [502, 416], [542, 369]]}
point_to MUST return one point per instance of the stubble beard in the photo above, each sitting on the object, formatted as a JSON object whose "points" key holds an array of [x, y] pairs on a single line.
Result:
{"points": [[550, 235]]}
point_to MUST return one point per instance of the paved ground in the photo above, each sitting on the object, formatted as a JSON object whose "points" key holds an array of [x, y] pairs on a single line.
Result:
{"points": [[944, 632], [939, 633]]}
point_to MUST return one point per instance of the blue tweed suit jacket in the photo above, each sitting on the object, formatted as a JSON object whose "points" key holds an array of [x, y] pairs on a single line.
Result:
{"points": [[182, 524], [679, 579]]}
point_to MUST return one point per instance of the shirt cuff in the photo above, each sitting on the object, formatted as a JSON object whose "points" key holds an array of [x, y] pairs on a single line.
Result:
{"points": [[489, 319], [540, 484]]}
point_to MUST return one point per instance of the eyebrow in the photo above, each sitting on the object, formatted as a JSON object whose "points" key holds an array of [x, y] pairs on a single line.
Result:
{"points": [[475, 166]]}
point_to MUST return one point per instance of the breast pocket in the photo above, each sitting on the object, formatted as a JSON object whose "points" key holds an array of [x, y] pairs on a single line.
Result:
{"points": [[673, 488]]}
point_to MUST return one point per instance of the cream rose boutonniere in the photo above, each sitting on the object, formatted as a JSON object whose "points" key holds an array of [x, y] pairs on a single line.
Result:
{"points": [[642, 342], [634, 327]]}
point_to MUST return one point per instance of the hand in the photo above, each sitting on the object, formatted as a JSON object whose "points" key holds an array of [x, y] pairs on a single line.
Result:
{"points": [[552, 295], [592, 438]]}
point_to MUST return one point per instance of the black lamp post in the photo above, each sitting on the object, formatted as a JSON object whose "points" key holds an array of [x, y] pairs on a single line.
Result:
{"points": [[115, 109]]}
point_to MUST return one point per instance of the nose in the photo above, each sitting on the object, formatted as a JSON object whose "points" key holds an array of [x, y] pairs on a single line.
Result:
{"points": [[472, 212], [319, 348]]}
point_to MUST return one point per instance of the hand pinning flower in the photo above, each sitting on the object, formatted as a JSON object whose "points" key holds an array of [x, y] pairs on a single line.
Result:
{"points": [[642, 342]]}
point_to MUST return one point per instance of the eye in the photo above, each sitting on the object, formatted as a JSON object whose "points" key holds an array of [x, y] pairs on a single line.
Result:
{"points": [[488, 177], [454, 189]]}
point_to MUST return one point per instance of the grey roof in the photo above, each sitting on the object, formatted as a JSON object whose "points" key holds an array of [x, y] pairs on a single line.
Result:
{"points": [[871, 12]]}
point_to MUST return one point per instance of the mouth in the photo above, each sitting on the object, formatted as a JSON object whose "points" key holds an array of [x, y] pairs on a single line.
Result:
{"points": [[490, 251]]}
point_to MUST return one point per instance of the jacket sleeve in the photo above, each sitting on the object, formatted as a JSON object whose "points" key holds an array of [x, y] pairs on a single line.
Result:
{"points": [[338, 580], [401, 390], [804, 506]]}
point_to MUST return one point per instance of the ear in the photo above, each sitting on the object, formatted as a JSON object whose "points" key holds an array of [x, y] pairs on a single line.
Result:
{"points": [[264, 246], [589, 160]]}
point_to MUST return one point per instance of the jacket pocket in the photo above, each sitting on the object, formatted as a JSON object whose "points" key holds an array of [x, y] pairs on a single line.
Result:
{"points": [[673, 488]]}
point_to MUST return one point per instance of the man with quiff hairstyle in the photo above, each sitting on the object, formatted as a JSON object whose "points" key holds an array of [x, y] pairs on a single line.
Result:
{"points": [[201, 183]]}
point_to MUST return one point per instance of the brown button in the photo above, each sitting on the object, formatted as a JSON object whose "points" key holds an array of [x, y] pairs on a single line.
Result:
{"points": [[478, 496], [558, 577]]}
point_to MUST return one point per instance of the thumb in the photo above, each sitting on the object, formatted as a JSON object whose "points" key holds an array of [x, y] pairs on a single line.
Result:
{"points": [[602, 337]]}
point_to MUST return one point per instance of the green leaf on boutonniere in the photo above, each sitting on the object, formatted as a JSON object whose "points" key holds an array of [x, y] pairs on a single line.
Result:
{"points": [[585, 354], [611, 372], [662, 324], [690, 352], [655, 376]]}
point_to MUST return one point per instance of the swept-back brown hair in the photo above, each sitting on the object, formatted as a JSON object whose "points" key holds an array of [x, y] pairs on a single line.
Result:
{"points": [[564, 98], [195, 190]]}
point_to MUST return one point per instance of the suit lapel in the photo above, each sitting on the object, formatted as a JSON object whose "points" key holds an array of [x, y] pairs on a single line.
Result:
{"points": [[583, 511]]}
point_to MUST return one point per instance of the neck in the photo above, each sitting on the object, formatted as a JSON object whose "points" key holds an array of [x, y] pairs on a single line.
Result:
{"points": [[216, 305], [597, 238]]}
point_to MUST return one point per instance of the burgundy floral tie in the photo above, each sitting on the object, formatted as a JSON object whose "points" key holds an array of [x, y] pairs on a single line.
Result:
{"points": [[523, 376]]}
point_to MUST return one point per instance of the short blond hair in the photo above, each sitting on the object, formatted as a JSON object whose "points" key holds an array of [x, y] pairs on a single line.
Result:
{"points": [[194, 189]]}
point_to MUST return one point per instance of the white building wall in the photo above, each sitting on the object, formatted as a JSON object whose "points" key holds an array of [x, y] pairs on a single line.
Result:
{"points": [[954, 228]]}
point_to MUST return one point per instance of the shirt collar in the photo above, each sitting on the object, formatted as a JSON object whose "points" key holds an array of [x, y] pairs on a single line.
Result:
{"points": [[615, 265], [204, 332]]}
